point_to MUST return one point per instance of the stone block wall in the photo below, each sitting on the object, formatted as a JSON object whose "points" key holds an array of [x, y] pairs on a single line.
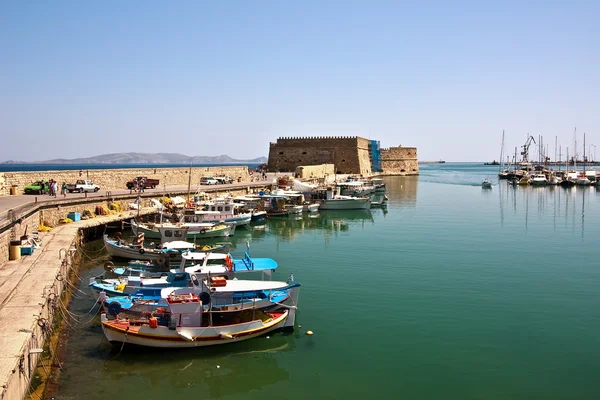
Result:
{"points": [[28, 225], [110, 179], [400, 161], [349, 155], [315, 171]]}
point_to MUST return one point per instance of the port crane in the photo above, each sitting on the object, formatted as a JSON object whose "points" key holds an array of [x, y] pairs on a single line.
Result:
{"points": [[525, 147]]}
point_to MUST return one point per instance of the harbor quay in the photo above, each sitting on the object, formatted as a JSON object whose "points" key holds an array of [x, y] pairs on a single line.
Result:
{"points": [[115, 179], [34, 289]]}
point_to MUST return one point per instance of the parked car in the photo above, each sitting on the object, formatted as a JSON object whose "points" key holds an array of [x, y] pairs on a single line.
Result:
{"points": [[224, 179], [83, 185], [149, 183], [207, 180], [36, 188]]}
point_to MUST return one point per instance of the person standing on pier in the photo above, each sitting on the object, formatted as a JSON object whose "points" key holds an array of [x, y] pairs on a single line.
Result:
{"points": [[63, 189]]}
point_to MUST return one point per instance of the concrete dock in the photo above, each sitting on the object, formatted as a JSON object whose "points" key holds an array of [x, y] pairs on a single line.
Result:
{"points": [[29, 289]]}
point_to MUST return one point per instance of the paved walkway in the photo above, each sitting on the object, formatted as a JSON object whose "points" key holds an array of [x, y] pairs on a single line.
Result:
{"points": [[25, 287]]}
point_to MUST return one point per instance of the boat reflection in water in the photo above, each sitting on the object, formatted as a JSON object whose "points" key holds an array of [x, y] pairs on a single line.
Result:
{"points": [[216, 372]]}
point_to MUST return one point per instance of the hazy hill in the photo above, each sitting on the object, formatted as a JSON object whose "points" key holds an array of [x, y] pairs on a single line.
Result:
{"points": [[146, 158]]}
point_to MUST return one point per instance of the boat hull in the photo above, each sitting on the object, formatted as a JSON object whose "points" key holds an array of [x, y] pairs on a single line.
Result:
{"points": [[346, 204], [192, 233], [122, 331], [131, 253]]}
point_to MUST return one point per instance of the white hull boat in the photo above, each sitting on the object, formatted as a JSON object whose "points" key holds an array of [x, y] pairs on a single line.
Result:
{"points": [[194, 230], [346, 203], [185, 324], [120, 249]]}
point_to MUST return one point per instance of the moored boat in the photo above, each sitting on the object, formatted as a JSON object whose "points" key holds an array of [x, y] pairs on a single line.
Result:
{"points": [[194, 230], [185, 324], [339, 202], [138, 251]]}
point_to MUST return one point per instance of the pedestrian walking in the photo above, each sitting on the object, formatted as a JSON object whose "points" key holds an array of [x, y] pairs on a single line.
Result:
{"points": [[42, 187], [63, 189]]}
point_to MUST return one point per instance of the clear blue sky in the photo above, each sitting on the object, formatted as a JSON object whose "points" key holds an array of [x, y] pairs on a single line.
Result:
{"points": [[82, 78]]}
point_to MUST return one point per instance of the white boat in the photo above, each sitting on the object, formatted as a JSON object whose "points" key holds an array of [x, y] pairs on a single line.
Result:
{"points": [[194, 230], [310, 207], [185, 324], [339, 202], [294, 208], [583, 180], [538, 180], [138, 251], [222, 210], [554, 180], [486, 184]]}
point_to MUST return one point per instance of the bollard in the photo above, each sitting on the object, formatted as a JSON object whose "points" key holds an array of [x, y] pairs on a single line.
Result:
{"points": [[85, 194], [35, 199]]}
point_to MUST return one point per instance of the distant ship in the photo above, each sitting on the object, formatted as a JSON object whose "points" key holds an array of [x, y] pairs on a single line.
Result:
{"points": [[432, 162], [492, 163]]}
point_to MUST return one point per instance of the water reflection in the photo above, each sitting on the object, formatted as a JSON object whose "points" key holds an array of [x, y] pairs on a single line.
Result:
{"points": [[214, 372], [402, 190], [567, 207]]}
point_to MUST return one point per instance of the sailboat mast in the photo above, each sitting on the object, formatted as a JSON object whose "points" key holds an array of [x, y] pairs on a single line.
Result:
{"points": [[555, 146], [575, 152], [501, 153], [584, 153]]}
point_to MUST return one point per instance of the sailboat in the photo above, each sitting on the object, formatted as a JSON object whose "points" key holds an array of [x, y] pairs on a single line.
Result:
{"points": [[582, 179]]}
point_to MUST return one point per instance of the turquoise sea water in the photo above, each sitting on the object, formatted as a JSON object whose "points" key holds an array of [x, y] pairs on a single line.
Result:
{"points": [[453, 292]]}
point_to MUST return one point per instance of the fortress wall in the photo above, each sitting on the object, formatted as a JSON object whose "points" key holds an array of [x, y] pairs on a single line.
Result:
{"points": [[400, 160], [109, 179], [348, 154]]}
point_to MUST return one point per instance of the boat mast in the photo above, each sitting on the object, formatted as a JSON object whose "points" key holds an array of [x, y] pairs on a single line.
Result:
{"points": [[501, 153], [575, 153], [189, 183], [584, 154], [555, 146]]}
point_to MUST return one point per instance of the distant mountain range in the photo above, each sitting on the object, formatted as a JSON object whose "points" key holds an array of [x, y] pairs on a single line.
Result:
{"points": [[145, 158]]}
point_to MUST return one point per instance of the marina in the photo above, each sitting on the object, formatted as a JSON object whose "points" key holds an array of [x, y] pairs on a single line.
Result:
{"points": [[429, 288]]}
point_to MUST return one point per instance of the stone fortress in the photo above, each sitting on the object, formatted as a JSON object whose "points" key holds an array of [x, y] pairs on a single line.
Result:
{"points": [[348, 155]]}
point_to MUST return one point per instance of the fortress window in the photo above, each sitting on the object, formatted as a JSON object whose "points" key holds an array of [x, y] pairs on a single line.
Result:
{"points": [[299, 160], [303, 152], [281, 152], [402, 170], [343, 160]]}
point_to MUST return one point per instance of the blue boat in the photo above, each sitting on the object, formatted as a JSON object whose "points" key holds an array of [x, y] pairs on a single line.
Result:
{"points": [[203, 264], [241, 295]]}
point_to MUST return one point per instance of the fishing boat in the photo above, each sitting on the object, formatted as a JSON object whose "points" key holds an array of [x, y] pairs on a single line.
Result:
{"points": [[194, 230], [217, 295], [486, 184], [185, 324], [335, 201], [138, 251], [258, 216], [199, 264], [221, 210]]}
